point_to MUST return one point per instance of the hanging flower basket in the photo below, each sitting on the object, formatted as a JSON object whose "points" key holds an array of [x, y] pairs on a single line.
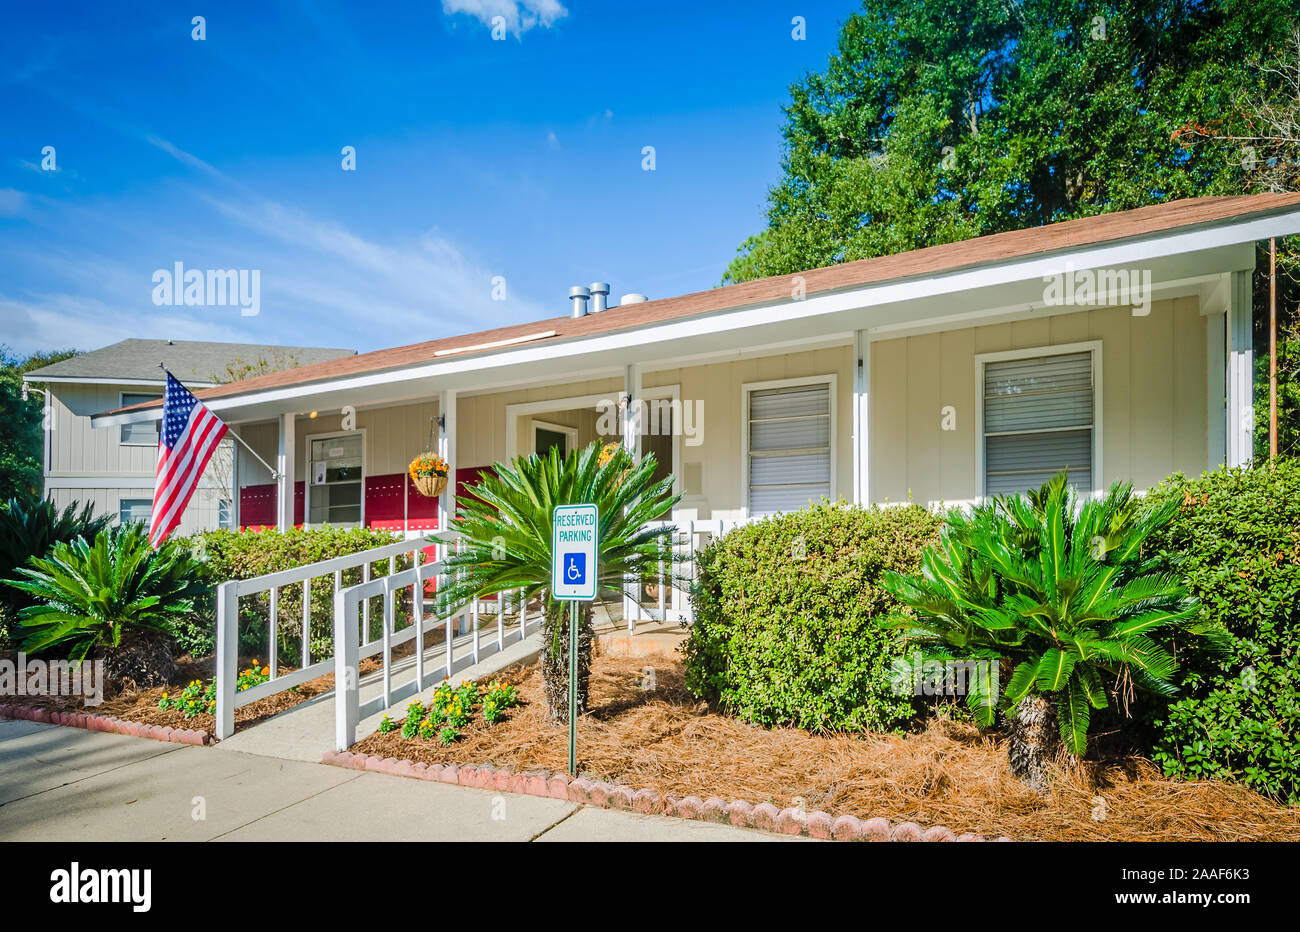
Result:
{"points": [[429, 473]]}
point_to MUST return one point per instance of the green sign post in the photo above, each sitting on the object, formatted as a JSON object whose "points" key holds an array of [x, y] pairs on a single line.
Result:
{"points": [[574, 532]]}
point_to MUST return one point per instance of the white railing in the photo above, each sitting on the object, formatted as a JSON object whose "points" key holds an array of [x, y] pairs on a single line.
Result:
{"points": [[352, 643], [228, 595], [348, 707], [689, 537]]}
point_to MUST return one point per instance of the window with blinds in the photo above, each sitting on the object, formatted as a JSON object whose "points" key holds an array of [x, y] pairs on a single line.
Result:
{"points": [[144, 434], [1038, 420], [789, 447]]}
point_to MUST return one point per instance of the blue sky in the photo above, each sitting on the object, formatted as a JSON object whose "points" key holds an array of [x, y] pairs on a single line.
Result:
{"points": [[475, 158]]}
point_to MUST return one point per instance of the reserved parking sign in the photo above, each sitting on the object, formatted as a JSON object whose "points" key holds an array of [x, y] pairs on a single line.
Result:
{"points": [[573, 547]]}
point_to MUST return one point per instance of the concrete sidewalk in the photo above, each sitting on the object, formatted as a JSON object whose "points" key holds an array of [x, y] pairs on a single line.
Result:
{"points": [[66, 784]]}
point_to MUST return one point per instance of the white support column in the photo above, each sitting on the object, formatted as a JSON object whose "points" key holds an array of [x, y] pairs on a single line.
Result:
{"points": [[447, 500], [1241, 360], [284, 465], [861, 417], [632, 404], [1216, 388]]}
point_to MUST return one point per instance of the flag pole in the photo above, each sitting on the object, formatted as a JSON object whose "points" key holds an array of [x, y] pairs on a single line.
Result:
{"points": [[275, 474]]}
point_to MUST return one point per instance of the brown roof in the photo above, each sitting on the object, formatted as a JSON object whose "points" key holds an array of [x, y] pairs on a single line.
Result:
{"points": [[932, 260]]}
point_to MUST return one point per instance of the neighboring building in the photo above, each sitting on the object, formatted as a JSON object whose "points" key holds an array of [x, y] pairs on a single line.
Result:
{"points": [[1117, 346], [114, 468]]}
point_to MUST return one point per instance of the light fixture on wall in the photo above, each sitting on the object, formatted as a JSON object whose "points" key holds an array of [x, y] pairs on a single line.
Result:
{"points": [[313, 415]]}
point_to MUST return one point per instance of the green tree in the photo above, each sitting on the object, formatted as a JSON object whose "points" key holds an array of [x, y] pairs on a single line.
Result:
{"points": [[504, 523], [22, 438], [940, 120]]}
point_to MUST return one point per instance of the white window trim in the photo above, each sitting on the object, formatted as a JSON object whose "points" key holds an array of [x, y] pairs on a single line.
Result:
{"points": [[658, 392], [1060, 349], [121, 403], [306, 472], [829, 379], [570, 432]]}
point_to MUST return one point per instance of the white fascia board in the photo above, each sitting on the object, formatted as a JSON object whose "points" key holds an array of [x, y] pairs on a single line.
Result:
{"points": [[89, 380], [1122, 253]]}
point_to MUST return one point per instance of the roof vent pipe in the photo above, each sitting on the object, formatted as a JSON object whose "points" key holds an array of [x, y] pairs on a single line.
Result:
{"points": [[599, 296], [633, 298], [579, 294]]}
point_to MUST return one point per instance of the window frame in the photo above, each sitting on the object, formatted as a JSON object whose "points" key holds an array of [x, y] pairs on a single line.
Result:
{"points": [[830, 380], [121, 503], [1059, 349], [157, 425], [570, 433], [307, 477]]}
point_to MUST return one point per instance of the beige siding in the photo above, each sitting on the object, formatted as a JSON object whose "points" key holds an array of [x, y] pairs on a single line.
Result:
{"points": [[1153, 398], [92, 465], [77, 449], [200, 514], [715, 390]]}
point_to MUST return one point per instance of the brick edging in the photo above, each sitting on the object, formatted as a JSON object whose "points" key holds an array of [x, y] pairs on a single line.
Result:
{"points": [[106, 723], [763, 816]]}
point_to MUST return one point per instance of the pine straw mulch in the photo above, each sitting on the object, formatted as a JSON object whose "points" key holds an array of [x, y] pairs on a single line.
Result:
{"points": [[131, 703], [950, 774]]}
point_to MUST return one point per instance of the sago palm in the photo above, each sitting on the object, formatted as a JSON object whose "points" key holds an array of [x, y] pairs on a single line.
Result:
{"points": [[29, 529], [504, 529], [116, 596], [1061, 595]]}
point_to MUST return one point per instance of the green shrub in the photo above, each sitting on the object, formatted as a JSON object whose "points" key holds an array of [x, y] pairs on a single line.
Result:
{"points": [[30, 529], [106, 593], [246, 554], [1236, 542], [786, 609]]}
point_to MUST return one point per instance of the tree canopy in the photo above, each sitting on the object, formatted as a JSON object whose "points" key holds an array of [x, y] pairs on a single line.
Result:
{"points": [[940, 120], [22, 439]]}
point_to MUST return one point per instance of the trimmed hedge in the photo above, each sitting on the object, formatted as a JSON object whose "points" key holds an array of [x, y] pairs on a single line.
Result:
{"points": [[245, 554], [786, 609], [1236, 542]]}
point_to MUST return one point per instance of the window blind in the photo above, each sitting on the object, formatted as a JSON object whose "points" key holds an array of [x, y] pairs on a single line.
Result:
{"points": [[789, 447], [1038, 420]]}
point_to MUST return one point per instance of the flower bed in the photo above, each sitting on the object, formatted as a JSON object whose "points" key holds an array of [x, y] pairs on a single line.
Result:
{"points": [[667, 743], [130, 704]]}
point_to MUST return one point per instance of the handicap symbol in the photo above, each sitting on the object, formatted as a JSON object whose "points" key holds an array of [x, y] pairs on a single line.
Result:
{"points": [[575, 568]]}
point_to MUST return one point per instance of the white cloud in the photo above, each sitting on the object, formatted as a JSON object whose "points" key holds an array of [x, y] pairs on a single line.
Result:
{"points": [[519, 15], [416, 290], [552, 140], [11, 202], [54, 321]]}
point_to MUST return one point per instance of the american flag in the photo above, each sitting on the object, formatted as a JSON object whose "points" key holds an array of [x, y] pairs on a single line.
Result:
{"points": [[188, 437]]}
